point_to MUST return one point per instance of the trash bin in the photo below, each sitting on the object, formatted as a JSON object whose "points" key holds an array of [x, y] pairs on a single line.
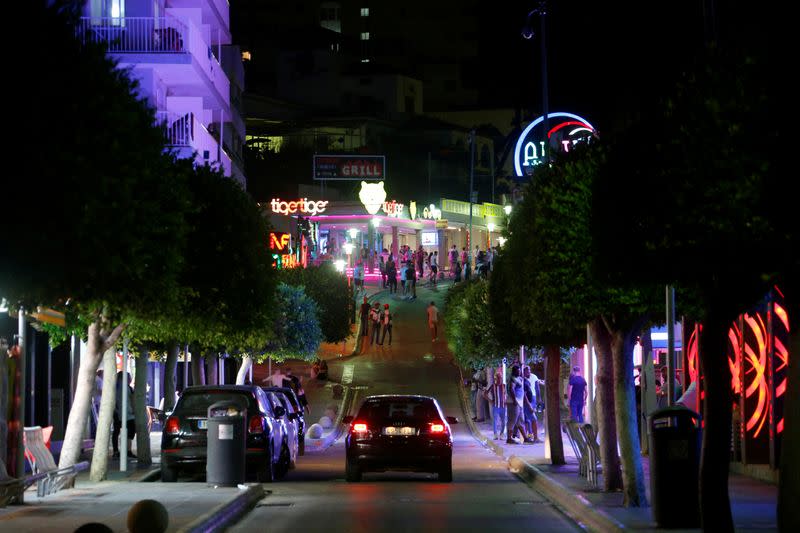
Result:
{"points": [[226, 442], [675, 437]]}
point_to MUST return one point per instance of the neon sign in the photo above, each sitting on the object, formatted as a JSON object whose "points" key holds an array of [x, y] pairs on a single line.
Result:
{"points": [[565, 131], [303, 205], [431, 212], [282, 256], [372, 195], [393, 209]]}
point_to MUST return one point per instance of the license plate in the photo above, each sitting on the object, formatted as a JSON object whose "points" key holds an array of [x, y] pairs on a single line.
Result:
{"points": [[399, 431], [202, 424]]}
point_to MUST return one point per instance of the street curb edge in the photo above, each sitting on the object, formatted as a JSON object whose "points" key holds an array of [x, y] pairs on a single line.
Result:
{"points": [[227, 513]]}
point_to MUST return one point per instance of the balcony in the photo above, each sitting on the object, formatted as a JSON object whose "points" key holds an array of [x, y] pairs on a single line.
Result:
{"points": [[188, 137], [156, 40]]}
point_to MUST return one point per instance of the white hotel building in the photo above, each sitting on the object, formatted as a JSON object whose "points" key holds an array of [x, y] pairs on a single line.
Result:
{"points": [[180, 52]]}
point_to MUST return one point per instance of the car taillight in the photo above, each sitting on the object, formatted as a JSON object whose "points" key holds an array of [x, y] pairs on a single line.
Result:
{"points": [[173, 425], [359, 427], [437, 428], [256, 424]]}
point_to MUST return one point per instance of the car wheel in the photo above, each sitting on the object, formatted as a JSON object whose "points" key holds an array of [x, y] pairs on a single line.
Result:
{"points": [[168, 474], [352, 472], [446, 472], [284, 462], [266, 474]]}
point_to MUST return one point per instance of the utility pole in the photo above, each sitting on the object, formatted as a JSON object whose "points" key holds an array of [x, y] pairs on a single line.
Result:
{"points": [[471, 188]]}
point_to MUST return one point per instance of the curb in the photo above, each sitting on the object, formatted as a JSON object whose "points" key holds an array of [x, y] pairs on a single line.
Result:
{"points": [[226, 514], [320, 445], [575, 506]]}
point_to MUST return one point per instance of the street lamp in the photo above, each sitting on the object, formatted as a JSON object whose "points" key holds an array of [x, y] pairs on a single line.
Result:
{"points": [[490, 227], [348, 249], [339, 264], [353, 233], [376, 221], [507, 209], [528, 33]]}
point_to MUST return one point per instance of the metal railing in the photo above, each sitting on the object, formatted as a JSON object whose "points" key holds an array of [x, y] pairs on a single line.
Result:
{"points": [[178, 129], [151, 35]]}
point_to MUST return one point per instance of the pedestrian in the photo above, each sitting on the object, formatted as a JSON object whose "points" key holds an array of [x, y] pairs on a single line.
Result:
{"points": [[364, 313], [515, 395], [387, 324], [375, 318], [403, 277], [433, 321], [457, 268], [98, 394], [412, 280], [382, 268], [479, 377], [453, 261], [473, 392], [123, 380], [529, 406], [434, 267], [277, 377], [467, 271], [577, 393], [497, 397], [391, 274], [421, 262], [464, 255]]}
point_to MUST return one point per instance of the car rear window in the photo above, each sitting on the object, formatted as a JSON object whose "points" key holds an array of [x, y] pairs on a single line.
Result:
{"points": [[412, 409], [200, 401]]}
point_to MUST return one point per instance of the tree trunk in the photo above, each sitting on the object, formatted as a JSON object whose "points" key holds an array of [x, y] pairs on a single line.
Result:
{"points": [[647, 352], [623, 339], [213, 364], [140, 410], [108, 400], [715, 506], [244, 368], [198, 369], [789, 484], [170, 369], [604, 400], [552, 354], [3, 405], [99, 339]]}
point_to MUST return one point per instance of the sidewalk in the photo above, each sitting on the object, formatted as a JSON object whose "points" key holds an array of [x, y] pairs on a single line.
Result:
{"points": [[188, 505], [752, 501]]}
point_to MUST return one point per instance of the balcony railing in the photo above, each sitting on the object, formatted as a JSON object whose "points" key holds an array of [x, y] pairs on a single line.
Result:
{"points": [[178, 129], [148, 35], [155, 35]]}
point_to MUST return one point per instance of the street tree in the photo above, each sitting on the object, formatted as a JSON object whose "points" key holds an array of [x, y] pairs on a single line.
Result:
{"points": [[295, 332], [329, 289], [702, 160], [107, 234], [471, 333]]}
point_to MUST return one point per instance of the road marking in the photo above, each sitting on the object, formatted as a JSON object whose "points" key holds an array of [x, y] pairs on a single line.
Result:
{"points": [[347, 374]]}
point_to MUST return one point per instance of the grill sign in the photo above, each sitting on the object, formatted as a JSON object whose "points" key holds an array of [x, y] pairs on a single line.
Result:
{"points": [[349, 167]]}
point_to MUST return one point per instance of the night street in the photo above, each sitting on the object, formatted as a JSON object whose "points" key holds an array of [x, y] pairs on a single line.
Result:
{"points": [[484, 495]]}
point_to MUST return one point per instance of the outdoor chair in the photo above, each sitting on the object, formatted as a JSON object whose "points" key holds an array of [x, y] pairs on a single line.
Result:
{"points": [[41, 462], [593, 459], [579, 446]]}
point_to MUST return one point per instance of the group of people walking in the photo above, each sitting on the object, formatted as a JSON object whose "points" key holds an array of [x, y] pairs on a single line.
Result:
{"points": [[512, 404], [461, 267], [376, 322]]}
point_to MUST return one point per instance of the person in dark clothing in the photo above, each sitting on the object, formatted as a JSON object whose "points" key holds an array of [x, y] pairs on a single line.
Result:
{"points": [[129, 417], [365, 307], [391, 274], [577, 394]]}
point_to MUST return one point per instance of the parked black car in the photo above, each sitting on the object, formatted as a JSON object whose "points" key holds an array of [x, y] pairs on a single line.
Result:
{"points": [[299, 415], [183, 440], [399, 432]]}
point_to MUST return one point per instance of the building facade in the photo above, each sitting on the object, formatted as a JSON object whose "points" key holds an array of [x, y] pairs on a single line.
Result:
{"points": [[181, 54]]}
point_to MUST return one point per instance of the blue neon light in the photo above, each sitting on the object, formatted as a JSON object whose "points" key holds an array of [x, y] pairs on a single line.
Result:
{"points": [[526, 131]]}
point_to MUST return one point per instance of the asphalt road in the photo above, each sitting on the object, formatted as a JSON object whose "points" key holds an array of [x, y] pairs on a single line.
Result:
{"points": [[484, 495]]}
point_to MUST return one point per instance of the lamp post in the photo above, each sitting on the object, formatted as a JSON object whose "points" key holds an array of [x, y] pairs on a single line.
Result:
{"points": [[471, 194], [528, 33], [348, 249], [490, 227]]}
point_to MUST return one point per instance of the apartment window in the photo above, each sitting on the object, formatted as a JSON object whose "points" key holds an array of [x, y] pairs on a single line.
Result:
{"points": [[364, 11], [365, 60], [365, 36]]}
